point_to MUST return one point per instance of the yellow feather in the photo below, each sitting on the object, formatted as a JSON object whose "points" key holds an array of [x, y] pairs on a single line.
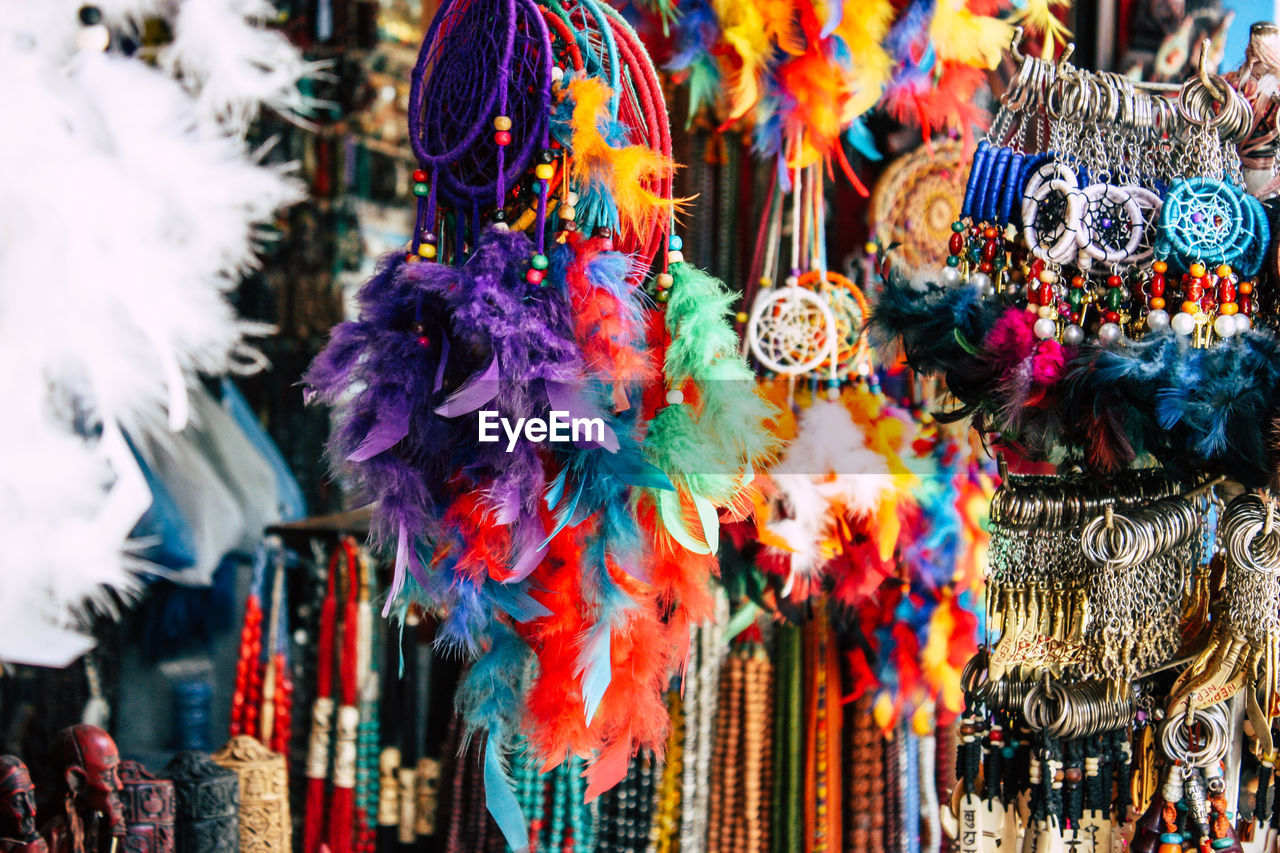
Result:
{"points": [[1038, 17], [743, 29], [960, 36], [622, 171], [863, 29]]}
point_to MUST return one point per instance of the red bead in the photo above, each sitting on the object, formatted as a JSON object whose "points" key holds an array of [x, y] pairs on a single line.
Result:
{"points": [[424, 341], [989, 251], [502, 137], [533, 276], [419, 176], [1045, 294], [1037, 267], [1156, 288], [1193, 292], [1032, 293], [1112, 317], [1207, 304], [1114, 281], [1246, 304], [990, 233], [956, 243], [985, 267]]}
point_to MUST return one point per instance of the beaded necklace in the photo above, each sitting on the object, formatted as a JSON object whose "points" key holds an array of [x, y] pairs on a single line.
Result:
{"points": [[340, 815], [367, 736], [664, 836]]}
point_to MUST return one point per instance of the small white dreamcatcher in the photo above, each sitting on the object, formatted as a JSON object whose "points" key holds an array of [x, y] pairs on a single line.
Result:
{"points": [[792, 330]]}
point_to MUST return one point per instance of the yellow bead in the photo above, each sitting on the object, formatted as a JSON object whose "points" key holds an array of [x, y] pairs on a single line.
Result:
{"points": [[1228, 308], [741, 317], [870, 248], [1160, 266], [568, 212], [1197, 269], [1223, 270], [1192, 308], [544, 171], [502, 123], [427, 251]]}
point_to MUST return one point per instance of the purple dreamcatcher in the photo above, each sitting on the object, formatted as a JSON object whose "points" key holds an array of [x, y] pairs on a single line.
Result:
{"points": [[478, 112]]}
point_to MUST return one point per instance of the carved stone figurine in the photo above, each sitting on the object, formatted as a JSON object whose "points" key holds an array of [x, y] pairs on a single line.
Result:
{"points": [[18, 809], [92, 816]]}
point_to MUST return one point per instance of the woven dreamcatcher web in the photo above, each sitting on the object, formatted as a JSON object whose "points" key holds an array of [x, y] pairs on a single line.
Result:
{"points": [[849, 310], [792, 330], [1200, 220], [1149, 205], [916, 200], [1051, 210], [481, 59], [1110, 228]]}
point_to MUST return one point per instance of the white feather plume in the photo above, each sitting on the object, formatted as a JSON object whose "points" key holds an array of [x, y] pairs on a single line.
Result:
{"points": [[232, 63], [125, 217], [825, 473]]}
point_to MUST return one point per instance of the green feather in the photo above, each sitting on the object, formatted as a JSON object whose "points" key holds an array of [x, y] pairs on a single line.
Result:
{"points": [[708, 452]]}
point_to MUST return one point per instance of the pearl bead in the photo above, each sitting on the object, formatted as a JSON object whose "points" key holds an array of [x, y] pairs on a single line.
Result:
{"points": [[1225, 326], [1109, 333], [1243, 323], [1045, 328], [557, 73], [980, 280], [1183, 323], [675, 257], [949, 277], [1048, 277], [1048, 311], [1157, 319], [793, 281], [568, 212], [1073, 335], [675, 397], [833, 393], [93, 39]]}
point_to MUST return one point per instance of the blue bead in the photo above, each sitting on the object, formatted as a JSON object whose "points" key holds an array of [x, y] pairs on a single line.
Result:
{"points": [[676, 243]]}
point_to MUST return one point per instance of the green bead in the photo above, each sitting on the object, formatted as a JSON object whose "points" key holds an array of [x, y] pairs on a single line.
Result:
{"points": [[663, 295], [1220, 843], [1114, 299], [957, 226], [421, 189], [1075, 297], [539, 262], [953, 261]]}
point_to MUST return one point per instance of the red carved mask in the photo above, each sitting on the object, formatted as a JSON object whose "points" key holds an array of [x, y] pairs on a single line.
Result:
{"points": [[17, 802], [90, 760]]}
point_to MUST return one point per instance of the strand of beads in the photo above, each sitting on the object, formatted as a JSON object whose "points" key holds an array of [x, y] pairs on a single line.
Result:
{"points": [[664, 835]]}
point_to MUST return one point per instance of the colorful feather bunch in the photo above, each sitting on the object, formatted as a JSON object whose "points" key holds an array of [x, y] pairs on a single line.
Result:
{"points": [[879, 515], [1103, 406], [801, 75], [568, 569]]}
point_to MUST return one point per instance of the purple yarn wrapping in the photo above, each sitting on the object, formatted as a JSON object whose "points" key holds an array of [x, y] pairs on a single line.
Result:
{"points": [[480, 59]]}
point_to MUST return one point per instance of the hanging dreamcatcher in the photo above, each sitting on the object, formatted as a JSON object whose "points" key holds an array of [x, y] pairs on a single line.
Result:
{"points": [[916, 200]]}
